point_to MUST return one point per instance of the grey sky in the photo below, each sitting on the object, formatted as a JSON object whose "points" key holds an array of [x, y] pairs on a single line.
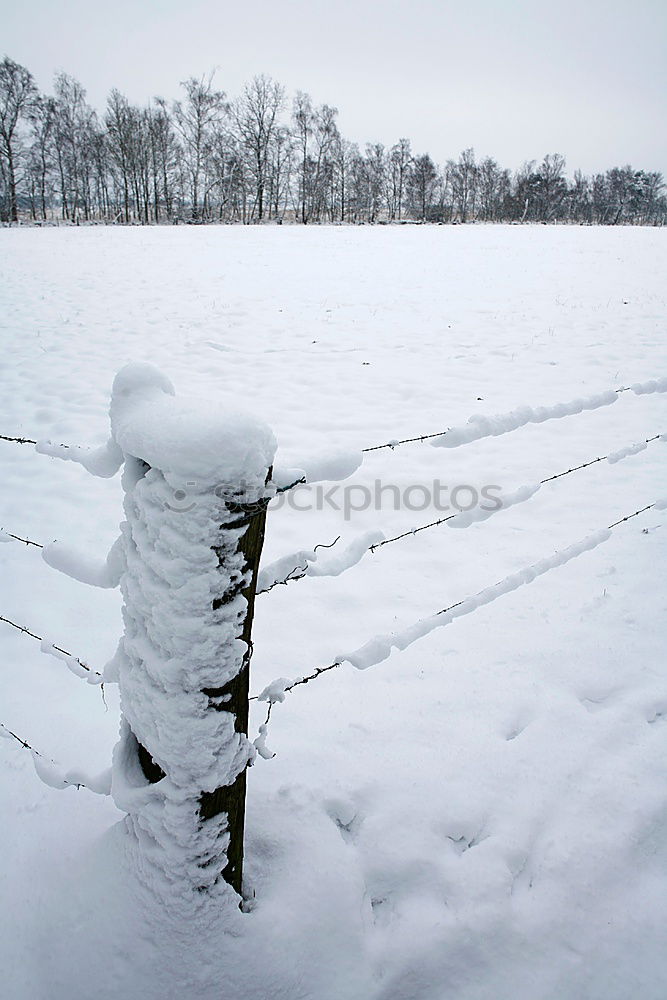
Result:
{"points": [[515, 80]]}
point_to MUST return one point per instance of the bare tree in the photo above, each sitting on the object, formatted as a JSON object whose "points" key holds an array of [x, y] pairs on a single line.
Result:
{"points": [[344, 154], [145, 164], [164, 153], [303, 122], [256, 118], [74, 135], [488, 178], [196, 118], [464, 184], [400, 158], [551, 186], [42, 120], [17, 96], [422, 185]]}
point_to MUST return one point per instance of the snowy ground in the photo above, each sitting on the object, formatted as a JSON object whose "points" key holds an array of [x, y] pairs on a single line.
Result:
{"points": [[480, 817]]}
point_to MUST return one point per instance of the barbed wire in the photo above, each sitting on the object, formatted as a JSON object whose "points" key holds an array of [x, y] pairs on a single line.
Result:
{"points": [[435, 434], [378, 447], [629, 517], [449, 517], [542, 482], [411, 440], [299, 572], [28, 746], [318, 671], [585, 465], [26, 541], [18, 440], [65, 652]]}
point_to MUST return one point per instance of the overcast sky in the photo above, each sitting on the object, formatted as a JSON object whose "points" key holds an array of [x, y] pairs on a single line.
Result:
{"points": [[514, 79]]}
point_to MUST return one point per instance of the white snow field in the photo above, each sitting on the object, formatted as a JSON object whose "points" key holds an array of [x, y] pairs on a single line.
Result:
{"points": [[482, 814]]}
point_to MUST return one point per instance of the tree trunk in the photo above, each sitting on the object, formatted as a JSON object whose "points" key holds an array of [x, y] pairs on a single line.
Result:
{"points": [[11, 184]]}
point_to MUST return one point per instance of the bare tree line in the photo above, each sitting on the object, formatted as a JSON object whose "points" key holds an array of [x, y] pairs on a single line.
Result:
{"points": [[205, 158]]}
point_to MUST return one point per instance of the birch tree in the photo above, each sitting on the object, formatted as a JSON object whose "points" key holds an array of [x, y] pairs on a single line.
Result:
{"points": [[17, 97]]}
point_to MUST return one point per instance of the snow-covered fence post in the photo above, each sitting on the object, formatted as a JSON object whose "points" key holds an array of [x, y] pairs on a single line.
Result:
{"points": [[195, 505], [249, 519]]}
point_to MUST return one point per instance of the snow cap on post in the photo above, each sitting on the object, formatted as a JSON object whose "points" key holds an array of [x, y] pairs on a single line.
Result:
{"points": [[185, 437]]}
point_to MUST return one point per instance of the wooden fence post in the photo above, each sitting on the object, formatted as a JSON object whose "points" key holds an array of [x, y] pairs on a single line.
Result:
{"points": [[231, 798], [192, 550], [233, 696]]}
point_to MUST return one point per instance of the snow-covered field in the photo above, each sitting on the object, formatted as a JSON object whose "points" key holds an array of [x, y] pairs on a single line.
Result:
{"points": [[479, 817]]}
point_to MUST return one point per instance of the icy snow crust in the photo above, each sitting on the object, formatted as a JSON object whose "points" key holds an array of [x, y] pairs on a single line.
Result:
{"points": [[481, 815]]}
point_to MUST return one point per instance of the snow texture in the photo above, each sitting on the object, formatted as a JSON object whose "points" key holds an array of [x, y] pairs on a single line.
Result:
{"points": [[52, 775], [482, 816], [380, 647], [631, 449], [72, 663], [275, 691], [260, 743], [332, 466], [317, 561], [195, 443], [103, 462], [649, 387], [480, 426], [506, 500], [82, 567]]}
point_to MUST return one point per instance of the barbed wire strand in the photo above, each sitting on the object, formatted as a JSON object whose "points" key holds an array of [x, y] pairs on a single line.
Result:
{"points": [[26, 541], [426, 437], [301, 570], [27, 746], [65, 652], [337, 663], [585, 465], [449, 517], [283, 489], [33, 635], [17, 440]]}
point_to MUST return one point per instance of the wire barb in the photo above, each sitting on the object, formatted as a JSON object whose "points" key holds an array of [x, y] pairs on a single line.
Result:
{"points": [[298, 572]]}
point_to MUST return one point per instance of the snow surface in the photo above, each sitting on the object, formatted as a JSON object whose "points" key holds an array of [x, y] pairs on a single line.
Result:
{"points": [[379, 648], [482, 815]]}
